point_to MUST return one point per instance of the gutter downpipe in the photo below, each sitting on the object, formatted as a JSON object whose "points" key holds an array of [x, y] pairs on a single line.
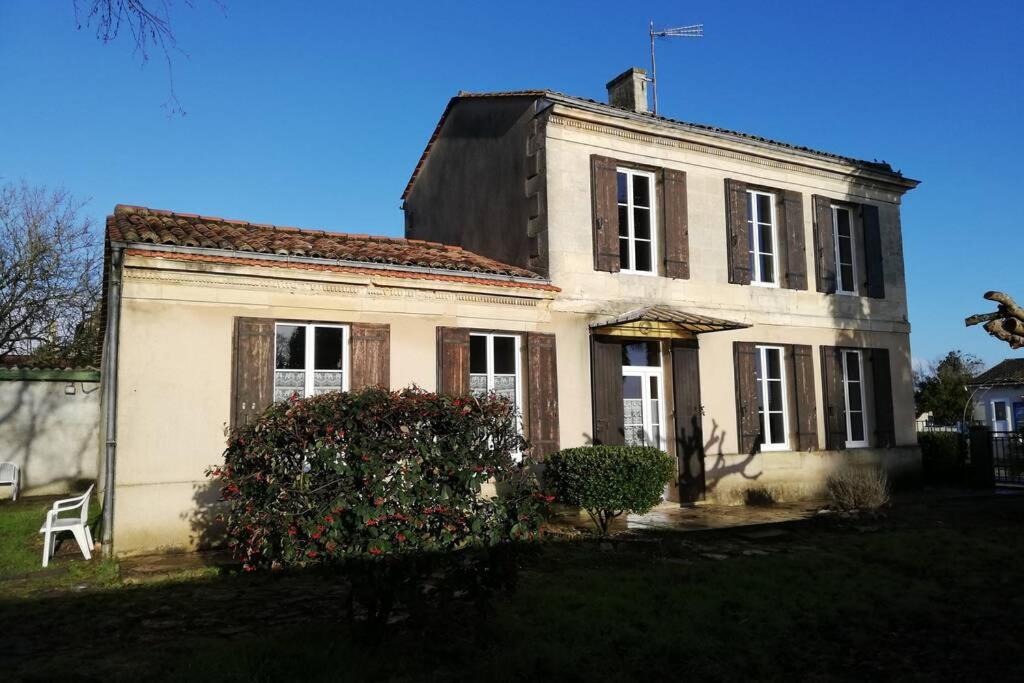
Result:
{"points": [[110, 398]]}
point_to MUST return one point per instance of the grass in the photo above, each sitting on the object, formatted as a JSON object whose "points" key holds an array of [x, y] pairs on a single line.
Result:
{"points": [[935, 596]]}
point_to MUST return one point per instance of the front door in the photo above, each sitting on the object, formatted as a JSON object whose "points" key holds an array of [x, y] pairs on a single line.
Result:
{"points": [[689, 416], [643, 389]]}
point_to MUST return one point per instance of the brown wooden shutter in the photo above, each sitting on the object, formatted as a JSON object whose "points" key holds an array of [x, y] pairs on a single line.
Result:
{"points": [[737, 232], [604, 189], [793, 249], [885, 421], [689, 417], [835, 400], [803, 402], [453, 361], [674, 219], [873, 251], [252, 379], [824, 245], [748, 427], [606, 389], [542, 394], [370, 360]]}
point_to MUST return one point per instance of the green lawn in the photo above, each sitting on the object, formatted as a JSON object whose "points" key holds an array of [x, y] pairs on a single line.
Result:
{"points": [[930, 593]]}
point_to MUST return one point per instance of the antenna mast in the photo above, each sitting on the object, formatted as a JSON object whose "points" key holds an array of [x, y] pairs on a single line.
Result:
{"points": [[694, 31]]}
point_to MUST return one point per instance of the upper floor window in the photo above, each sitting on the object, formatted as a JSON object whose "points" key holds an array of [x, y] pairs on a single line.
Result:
{"points": [[842, 232], [636, 221], [761, 229], [772, 411], [309, 359]]}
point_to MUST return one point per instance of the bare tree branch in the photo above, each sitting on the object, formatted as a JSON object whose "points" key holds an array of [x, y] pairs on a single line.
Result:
{"points": [[1006, 324]]}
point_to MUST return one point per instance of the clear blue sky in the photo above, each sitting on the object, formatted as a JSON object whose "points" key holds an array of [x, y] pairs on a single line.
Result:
{"points": [[316, 117]]}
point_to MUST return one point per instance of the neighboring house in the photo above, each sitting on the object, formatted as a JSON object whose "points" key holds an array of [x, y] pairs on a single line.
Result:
{"points": [[998, 396], [624, 278]]}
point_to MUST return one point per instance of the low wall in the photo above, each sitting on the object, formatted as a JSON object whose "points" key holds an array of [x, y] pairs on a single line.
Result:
{"points": [[49, 427]]}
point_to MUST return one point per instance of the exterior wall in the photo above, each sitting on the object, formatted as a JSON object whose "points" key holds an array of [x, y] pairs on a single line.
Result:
{"points": [[50, 434], [984, 398]]}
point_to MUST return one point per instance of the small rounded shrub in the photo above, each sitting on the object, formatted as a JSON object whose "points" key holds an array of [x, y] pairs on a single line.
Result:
{"points": [[608, 481], [861, 488]]}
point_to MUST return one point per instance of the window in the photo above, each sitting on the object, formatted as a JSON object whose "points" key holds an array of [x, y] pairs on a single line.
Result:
{"points": [[309, 359], [636, 221], [494, 366], [761, 228], [853, 389], [771, 399], [842, 231], [642, 394]]}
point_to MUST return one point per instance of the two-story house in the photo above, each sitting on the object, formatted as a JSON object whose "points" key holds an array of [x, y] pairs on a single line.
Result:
{"points": [[621, 277]]}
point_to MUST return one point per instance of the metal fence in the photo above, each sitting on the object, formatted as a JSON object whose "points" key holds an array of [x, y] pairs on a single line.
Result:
{"points": [[1008, 458], [929, 426]]}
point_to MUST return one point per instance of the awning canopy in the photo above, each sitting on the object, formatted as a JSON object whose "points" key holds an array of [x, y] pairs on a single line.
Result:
{"points": [[663, 322]]}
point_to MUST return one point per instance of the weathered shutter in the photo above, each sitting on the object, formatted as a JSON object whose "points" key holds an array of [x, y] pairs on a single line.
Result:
{"points": [[674, 219], [885, 421], [835, 400], [606, 389], [824, 245], [453, 361], [873, 251], [805, 406], [737, 232], [604, 188], [794, 245], [370, 359], [542, 394], [748, 427], [689, 416], [252, 379]]}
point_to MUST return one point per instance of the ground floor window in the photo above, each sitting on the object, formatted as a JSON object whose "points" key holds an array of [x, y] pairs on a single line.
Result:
{"points": [[1001, 417], [494, 366], [643, 391], [309, 359], [771, 398], [853, 389]]}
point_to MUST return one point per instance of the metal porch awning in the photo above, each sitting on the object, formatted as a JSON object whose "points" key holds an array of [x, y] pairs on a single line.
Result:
{"points": [[662, 322]]}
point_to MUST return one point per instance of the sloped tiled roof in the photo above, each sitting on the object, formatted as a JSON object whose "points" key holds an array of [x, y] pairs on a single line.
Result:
{"points": [[572, 100], [1010, 371], [140, 225]]}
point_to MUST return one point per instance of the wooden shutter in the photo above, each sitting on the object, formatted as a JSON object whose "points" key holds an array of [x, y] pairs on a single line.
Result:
{"points": [[604, 189], [873, 251], [824, 245], [738, 246], [370, 359], [885, 421], [453, 361], [803, 402], [835, 400], [792, 247], [674, 220], [689, 416], [748, 427], [252, 379], [542, 394], [606, 389]]}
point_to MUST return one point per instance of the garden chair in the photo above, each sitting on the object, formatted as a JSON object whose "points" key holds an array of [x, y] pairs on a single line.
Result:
{"points": [[77, 525], [10, 474]]}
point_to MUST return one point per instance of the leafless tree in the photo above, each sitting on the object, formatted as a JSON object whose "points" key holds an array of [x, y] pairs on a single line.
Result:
{"points": [[1007, 323], [50, 274]]}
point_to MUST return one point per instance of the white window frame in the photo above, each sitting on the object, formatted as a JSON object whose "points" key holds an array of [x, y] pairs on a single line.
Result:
{"points": [[490, 374], [850, 443], [645, 373], [841, 287], [763, 357], [631, 238], [310, 368], [1009, 414], [755, 238]]}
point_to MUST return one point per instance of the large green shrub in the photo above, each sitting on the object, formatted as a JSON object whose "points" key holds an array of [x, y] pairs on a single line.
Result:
{"points": [[941, 456], [608, 481]]}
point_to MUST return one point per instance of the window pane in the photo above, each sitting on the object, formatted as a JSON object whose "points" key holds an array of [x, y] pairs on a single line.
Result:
{"points": [[291, 347], [632, 388], [288, 382], [635, 436], [477, 353], [645, 354], [846, 277], [326, 381], [624, 253], [774, 395], [774, 358], [623, 221], [843, 222], [641, 190], [852, 367], [764, 208], [767, 268], [505, 355], [1000, 410], [621, 178], [855, 402], [845, 250], [643, 256], [766, 246], [327, 348], [505, 387], [478, 384], [642, 223], [654, 393], [778, 430], [856, 426], [655, 436]]}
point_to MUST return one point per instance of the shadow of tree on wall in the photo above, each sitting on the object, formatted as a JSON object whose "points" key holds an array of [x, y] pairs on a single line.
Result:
{"points": [[207, 528], [720, 468]]}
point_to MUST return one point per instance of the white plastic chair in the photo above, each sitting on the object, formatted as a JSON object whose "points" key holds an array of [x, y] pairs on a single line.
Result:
{"points": [[10, 474], [77, 525]]}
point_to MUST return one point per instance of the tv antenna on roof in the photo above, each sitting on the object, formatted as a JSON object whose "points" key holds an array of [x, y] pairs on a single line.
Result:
{"points": [[694, 31]]}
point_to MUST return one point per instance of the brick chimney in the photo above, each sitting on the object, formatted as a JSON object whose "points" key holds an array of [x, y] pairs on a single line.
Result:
{"points": [[628, 90]]}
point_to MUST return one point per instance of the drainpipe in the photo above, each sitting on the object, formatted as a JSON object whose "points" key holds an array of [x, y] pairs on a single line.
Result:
{"points": [[110, 397]]}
